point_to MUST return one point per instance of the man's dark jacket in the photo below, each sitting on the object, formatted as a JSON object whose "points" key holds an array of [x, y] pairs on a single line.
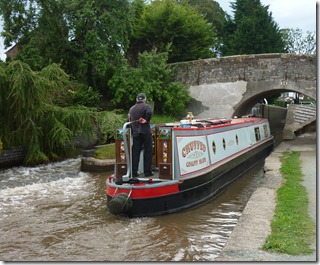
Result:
{"points": [[137, 111]]}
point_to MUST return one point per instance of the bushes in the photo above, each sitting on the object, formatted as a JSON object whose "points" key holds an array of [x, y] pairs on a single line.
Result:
{"points": [[154, 78]]}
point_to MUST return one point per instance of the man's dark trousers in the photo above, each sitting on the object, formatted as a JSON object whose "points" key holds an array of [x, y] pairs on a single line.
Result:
{"points": [[139, 141]]}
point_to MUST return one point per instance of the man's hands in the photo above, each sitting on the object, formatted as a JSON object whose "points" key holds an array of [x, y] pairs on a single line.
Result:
{"points": [[142, 120]]}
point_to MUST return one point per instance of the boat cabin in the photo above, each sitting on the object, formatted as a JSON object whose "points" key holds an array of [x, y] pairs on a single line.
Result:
{"points": [[184, 149]]}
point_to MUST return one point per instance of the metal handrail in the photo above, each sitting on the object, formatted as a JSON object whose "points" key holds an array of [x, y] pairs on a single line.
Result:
{"points": [[126, 148]]}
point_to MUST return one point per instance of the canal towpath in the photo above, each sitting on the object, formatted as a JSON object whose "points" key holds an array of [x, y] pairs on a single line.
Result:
{"points": [[254, 225]]}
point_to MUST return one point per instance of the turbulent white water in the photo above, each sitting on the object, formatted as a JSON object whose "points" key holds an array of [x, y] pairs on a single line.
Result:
{"points": [[56, 212]]}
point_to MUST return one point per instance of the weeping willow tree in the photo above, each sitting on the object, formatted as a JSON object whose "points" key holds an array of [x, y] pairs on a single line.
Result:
{"points": [[30, 116]]}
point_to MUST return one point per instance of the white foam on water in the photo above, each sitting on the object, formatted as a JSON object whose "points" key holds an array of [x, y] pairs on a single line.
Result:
{"points": [[25, 198]]}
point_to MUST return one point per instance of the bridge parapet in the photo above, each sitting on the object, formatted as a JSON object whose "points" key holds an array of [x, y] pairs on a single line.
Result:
{"points": [[232, 85], [256, 67]]}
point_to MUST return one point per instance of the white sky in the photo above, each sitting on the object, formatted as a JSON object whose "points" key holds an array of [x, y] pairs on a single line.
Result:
{"points": [[286, 13]]}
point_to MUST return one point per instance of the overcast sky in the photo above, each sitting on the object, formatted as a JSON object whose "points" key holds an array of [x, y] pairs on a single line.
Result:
{"points": [[286, 13]]}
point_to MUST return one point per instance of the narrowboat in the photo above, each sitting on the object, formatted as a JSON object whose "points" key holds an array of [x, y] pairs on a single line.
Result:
{"points": [[193, 160]]}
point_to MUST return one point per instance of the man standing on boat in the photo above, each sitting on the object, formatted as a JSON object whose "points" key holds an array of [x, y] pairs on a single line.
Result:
{"points": [[142, 135]]}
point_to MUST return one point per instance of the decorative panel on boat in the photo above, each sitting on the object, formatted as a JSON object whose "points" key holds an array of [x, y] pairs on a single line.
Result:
{"points": [[164, 153], [165, 171], [121, 169]]}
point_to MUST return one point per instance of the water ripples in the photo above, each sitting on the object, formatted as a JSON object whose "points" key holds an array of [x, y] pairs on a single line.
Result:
{"points": [[56, 212]]}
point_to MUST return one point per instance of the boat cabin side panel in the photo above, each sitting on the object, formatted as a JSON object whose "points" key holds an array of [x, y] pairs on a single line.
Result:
{"points": [[197, 154]]}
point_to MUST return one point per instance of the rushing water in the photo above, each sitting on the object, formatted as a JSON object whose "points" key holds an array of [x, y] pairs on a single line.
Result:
{"points": [[56, 212]]}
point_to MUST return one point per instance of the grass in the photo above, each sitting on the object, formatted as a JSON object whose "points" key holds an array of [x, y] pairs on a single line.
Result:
{"points": [[293, 231], [105, 152], [162, 119]]}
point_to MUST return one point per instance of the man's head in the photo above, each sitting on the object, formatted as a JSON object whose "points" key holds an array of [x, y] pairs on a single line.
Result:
{"points": [[141, 97]]}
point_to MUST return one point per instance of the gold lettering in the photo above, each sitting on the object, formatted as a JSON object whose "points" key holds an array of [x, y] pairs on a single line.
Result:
{"points": [[192, 163], [194, 145]]}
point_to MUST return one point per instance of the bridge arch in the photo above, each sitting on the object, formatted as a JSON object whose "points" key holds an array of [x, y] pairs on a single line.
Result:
{"points": [[229, 86]]}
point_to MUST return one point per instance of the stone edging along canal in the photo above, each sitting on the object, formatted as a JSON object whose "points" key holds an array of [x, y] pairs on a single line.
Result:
{"points": [[253, 226]]}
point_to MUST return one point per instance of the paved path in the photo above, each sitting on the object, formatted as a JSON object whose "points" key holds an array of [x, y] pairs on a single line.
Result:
{"points": [[254, 224]]}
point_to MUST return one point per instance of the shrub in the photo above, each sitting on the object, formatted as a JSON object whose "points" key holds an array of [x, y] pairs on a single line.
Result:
{"points": [[154, 78]]}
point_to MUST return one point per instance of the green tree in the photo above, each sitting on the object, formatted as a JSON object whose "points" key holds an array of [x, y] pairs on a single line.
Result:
{"points": [[214, 14], [154, 77], [18, 20], [99, 33], [30, 116], [166, 22], [299, 42], [252, 30], [47, 38], [87, 38]]}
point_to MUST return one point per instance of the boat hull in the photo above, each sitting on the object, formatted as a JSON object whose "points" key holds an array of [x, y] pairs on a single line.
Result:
{"points": [[194, 191]]}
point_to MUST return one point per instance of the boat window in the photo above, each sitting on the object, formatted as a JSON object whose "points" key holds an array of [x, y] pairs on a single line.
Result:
{"points": [[214, 147], [265, 128], [224, 143], [257, 133], [237, 139]]}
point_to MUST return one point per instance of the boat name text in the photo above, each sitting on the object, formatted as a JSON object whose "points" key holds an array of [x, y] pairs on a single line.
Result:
{"points": [[194, 145]]}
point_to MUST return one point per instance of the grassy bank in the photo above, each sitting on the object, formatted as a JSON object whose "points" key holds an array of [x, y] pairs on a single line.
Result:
{"points": [[105, 152], [293, 230]]}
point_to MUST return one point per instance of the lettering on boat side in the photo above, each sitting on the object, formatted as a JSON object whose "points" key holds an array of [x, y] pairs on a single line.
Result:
{"points": [[193, 153], [194, 145], [196, 162]]}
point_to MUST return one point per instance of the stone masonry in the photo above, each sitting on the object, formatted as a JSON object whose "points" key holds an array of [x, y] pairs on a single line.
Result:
{"points": [[229, 86]]}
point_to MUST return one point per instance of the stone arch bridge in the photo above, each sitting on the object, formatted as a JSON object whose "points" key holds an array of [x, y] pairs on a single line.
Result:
{"points": [[231, 86]]}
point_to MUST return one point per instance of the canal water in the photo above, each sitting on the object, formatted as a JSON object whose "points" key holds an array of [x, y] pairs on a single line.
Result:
{"points": [[55, 212]]}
